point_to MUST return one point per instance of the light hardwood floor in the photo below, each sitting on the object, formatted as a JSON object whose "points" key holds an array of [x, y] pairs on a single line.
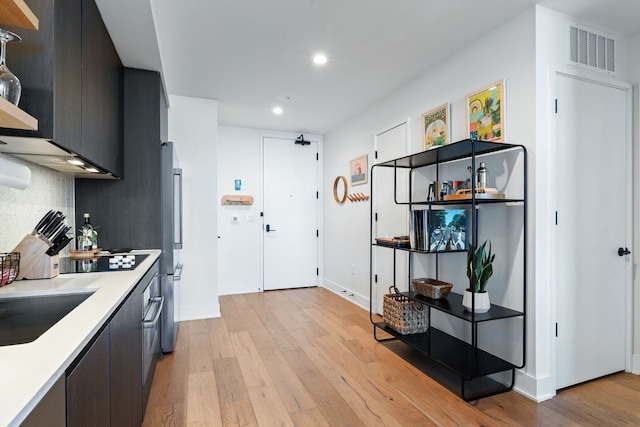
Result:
{"points": [[307, 357]]}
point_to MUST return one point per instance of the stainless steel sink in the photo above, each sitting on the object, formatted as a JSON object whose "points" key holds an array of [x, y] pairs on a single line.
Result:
{"points": [[24, 319]]}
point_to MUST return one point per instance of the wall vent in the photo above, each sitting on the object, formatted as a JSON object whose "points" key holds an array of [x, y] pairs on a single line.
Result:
{"points": [[591, 49]]}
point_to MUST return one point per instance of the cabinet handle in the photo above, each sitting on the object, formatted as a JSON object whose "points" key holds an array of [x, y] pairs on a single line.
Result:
{"points": [[148, 324]]}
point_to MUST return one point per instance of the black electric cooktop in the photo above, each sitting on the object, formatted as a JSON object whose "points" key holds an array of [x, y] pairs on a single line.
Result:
{"points": [[102, 263]]}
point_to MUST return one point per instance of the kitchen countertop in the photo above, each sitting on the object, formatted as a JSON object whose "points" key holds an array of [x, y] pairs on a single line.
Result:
{"points": [[27, 371]]}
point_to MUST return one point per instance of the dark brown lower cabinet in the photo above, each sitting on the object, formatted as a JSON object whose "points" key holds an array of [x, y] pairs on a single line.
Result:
{"points": [[50, 411], [88, 386], [126, 362]]}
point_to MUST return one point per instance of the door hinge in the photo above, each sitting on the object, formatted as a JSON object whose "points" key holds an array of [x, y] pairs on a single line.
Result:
{"points": [[375, 154], [317, 194], [261, 213], [317, 271], [556, 217], [556, 106], [375, 278], [556, 330], [317, 233], [317, 156], [375, 216]]}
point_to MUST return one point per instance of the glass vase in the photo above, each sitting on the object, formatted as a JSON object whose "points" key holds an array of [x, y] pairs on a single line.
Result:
{"points": [[10, 87]]}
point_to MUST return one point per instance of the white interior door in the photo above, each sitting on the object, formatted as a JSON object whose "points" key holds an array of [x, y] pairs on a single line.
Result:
{"points": [[290, 223], [592, 186], [392, 219]]}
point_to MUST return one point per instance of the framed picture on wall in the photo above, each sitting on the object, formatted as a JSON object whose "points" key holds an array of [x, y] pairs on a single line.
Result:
{"points": [[358, 168], [485, 113], [435, 126]]}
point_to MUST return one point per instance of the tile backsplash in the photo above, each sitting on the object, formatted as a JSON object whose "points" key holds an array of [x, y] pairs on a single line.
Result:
{"points": [[20, 210]]}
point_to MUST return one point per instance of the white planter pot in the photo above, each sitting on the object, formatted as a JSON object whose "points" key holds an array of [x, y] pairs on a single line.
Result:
{"points": [[482, 303]]}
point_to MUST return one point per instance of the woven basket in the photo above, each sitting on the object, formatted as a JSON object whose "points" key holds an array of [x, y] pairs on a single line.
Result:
{"points": [[404, 315], [431, 288]]}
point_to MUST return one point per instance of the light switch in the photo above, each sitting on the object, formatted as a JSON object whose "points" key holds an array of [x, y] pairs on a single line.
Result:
{"points": [[234, 219]]}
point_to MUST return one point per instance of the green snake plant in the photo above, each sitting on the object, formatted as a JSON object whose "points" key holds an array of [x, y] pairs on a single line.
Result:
{"points": [[479, 276]]}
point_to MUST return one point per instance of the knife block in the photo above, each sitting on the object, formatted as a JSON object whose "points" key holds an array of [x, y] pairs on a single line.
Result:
{"points": [[33, 257]]}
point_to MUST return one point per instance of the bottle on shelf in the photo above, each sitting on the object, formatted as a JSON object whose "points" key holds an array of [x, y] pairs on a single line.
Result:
{"points": [[481, 176], [88, 238]]}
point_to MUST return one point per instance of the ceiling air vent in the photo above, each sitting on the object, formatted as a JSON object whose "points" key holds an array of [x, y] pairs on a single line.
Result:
{"points": [[591, 49]]}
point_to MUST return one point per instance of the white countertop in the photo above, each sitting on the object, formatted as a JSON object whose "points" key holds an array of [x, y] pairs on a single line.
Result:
{"points": [[27, 371]]}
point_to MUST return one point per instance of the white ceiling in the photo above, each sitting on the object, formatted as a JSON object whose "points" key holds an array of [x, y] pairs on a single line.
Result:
{"points": [[251, 55]]}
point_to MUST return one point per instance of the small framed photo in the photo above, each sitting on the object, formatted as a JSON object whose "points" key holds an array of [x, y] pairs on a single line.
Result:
{"points": [[358, 168], [435, 126], [485, 113]]}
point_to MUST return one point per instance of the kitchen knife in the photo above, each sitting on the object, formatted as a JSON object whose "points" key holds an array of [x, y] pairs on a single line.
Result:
{"points": [[45, 219], [58, 241], [60, 230], [52, 229], [59, 245], [52, 225]]}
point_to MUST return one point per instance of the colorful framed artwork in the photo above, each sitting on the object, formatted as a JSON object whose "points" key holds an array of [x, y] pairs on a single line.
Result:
{"points": [[485, 113], [358, 170], [435, 127]]}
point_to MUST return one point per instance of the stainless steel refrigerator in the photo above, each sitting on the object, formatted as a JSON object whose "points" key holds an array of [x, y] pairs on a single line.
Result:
{"points": [[170, 267]]}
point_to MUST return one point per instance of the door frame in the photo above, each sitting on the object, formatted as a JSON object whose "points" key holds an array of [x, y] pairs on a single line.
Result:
{"points": [[320, 241], [375, 196], [554, 255]]}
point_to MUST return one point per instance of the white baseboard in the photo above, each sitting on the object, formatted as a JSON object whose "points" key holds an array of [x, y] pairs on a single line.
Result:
{"points": [[635, 364], [239, 288], [198, 312], [347, 294], [536, 389]]}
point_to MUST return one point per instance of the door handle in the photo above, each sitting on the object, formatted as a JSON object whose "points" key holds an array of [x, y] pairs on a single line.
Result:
{"points": [[268, 228], [623, 252]]}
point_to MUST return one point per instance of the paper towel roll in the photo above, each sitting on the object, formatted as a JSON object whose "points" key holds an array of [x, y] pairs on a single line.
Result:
{"points": [[14, 175]]}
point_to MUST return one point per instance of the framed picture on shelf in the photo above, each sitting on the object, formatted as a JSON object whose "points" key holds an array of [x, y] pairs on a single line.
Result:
{"points": [[435, 126], [485, 113], [358, 168]]}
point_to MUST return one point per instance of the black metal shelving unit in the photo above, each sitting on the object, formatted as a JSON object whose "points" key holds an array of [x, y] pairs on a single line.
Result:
{"points": [[464, 359]]}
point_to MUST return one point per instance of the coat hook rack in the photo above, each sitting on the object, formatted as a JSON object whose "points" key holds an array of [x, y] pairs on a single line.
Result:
{"points": [[357, 197]]}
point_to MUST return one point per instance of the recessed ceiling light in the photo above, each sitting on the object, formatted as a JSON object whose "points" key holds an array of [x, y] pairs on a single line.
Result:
{"points": [[277, 110], [320, 59]]}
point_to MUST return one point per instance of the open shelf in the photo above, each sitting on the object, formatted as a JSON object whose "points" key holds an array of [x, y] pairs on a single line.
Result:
{"points": [[402, 248], [452, 305], [471, 365], [448, 153], [461, 202], [14, 118], [454, 354], [17, 13]]}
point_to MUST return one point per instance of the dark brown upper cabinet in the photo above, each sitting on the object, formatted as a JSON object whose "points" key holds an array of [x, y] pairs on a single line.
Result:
{"points": [[72, 81]]}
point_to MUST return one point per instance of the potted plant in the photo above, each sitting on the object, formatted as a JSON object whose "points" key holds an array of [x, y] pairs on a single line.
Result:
{"points": [[479, 269]]}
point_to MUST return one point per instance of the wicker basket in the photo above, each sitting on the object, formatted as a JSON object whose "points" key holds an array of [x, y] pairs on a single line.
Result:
{"points": [[404, 315], [9, 267], [432, 288]]}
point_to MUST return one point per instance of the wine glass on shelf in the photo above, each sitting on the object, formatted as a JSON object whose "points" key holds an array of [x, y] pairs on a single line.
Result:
{"points": [[10, 87]]}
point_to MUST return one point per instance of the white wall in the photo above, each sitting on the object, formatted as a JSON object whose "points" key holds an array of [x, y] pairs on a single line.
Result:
{"points": [[240, 244], [20, 210], [551, 55], [507, 52], [193, 126], [635, 79], [523, 51]]}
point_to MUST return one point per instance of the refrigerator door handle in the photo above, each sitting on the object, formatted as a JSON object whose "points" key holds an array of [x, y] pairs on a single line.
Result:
{"points": [[177, 273]]}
